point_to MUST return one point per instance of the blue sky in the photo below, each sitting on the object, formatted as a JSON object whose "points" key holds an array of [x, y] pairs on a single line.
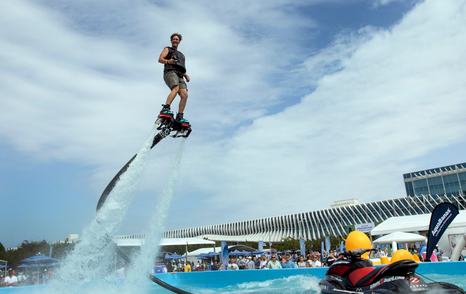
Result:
{"points": [[293, 105]]}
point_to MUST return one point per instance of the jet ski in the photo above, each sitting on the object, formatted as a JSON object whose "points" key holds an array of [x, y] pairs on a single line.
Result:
{"points": [[344, 276]]}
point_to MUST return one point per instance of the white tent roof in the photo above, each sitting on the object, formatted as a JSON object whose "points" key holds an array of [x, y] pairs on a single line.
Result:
{"points": [[204, 251], [139, 241], [400, 237], [185, 241], [413, 223]]}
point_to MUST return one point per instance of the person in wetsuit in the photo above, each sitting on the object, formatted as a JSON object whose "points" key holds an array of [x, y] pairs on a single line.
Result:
{"points": [[356, 243], [174, 75]]}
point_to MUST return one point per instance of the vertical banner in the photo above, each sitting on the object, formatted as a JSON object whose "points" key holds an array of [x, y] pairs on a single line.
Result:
{"points": [[322, 249], [224, 253], [302, 247], [327, 244], [260, 246], [442, 215]]}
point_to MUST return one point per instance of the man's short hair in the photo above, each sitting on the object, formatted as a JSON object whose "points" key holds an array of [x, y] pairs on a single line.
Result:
{"points": [[176, 34]]}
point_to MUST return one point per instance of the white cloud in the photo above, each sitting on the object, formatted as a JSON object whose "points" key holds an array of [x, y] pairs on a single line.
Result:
{"points": [[83, 86], [79, 82], [87, 88], [398, 96]]}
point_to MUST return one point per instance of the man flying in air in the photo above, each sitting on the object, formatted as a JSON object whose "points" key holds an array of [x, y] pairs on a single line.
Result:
{"points": [[174, 75]]}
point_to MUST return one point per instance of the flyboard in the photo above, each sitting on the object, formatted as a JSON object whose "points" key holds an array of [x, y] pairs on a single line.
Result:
{"points": [[167, 126], [167, 286]]}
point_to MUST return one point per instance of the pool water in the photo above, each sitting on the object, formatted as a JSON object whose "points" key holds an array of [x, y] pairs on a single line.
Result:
{"points": [[245, 281]]}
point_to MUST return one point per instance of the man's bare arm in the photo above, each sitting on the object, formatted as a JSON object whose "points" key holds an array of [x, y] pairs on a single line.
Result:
{"points": [[163, 56]]}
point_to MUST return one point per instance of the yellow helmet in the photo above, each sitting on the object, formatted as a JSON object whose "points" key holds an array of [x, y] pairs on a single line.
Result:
{"points": [[357, 240], [401, 254]]}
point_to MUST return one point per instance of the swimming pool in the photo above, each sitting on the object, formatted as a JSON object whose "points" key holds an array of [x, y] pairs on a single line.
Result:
{"points": [[255, 281]]}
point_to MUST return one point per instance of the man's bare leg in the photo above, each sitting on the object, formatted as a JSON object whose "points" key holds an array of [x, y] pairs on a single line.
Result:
{"points": [[184, 99], [171, 96]]}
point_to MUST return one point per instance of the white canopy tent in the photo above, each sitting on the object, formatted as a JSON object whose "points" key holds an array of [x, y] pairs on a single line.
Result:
{"points": [[185, 241], [400, 237], [203, 251], [413, 223], [420, 223]]}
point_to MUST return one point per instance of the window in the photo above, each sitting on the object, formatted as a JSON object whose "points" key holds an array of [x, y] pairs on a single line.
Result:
{"points": [[409, 188], [420, 187], [462, 177], [436, 186], [452, 186]]}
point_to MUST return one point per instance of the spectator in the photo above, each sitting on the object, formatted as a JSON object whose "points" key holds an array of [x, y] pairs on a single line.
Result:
{"points": [[263, 262], [198, 266], [251, 263], [315, 261], [383, 252], [330, 258], [187, 267], [232, 264], [274, 263], [301, 262], [287, 262], [215, 266], [242, 262], [11, 279]]}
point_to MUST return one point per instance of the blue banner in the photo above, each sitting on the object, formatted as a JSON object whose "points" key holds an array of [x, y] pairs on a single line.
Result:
{"points": [[224, 253], [302, 247], [442, 215], [327, 244], [260, 246]]}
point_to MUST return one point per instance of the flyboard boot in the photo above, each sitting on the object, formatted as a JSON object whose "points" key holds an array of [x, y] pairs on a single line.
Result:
{"points": [[165, 117], [181, 126]]}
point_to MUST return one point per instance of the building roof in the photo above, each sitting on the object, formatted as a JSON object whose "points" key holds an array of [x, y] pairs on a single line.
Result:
{"points": [[267, 237], [413, 223]]}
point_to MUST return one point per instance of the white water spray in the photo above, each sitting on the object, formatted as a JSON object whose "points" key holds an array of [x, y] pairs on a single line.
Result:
{"points": [[93, 257], [144, 262]]}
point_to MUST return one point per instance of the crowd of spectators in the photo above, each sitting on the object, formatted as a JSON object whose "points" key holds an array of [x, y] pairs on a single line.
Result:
{"points": [[265, 261]]}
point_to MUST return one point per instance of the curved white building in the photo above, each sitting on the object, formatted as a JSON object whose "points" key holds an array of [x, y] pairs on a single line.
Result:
{"points": [[317, 224]]}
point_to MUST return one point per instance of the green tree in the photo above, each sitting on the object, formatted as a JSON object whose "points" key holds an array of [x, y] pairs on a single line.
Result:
{"points": [[2, 251], [26, 249]]}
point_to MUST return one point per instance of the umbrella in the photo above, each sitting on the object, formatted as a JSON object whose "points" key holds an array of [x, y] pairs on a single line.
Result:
{"points": [[173, 256], [213, 254], [37, 265], [203, 256], [207, 255], [239, 253], [39, 261], [258, 252]]}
